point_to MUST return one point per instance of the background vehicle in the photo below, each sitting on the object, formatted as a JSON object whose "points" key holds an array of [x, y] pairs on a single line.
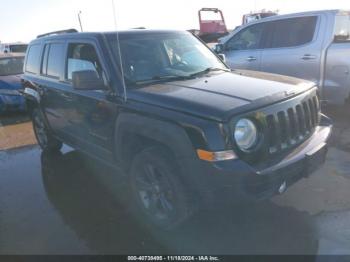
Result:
{"points": [[311, 45], [210, 29], [184, 128], [11, 69], [251, 17], [13, 48]]}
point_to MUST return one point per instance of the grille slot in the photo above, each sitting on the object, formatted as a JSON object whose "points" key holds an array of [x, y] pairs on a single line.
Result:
{"points": [[283, 126], [307, 117], [312, 115], [301, 121], [294, 125], [271, 125]]}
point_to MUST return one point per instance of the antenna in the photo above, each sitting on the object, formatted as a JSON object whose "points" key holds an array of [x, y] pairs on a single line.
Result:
{"points": [[114, 15], [81, 26], [255, 6], [119, 50]]}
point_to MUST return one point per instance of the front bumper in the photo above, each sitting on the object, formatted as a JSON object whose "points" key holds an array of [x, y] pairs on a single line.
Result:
{"points": [[239, 179], [12, 103]]}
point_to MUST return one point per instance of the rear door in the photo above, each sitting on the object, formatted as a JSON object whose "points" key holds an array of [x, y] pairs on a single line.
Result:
{"points": [[293, 47], [54, 94], [336, 88], [243, 50]]}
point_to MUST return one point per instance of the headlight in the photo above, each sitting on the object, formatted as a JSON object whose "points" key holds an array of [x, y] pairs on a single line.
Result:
{"points": [[245, 134]]}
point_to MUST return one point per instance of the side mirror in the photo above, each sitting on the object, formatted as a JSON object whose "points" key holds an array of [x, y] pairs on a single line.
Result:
{"points": [[222, 57], [341, 38], [219, 48], [87, 80]]}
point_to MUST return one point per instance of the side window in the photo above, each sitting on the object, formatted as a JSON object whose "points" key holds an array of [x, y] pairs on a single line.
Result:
{"points": [[55, 60], [247, 39], [33, 59], [82, 57], [293, 31]]}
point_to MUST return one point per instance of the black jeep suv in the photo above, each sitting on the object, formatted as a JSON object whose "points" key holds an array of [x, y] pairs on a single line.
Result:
{"points": [[184, 128]]}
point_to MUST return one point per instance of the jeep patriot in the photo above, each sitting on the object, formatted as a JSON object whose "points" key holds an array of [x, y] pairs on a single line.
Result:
{"points": [[183, 127]]}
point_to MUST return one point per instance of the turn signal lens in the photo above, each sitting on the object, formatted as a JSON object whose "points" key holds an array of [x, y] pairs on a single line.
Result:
{"points": [[216, 156]]}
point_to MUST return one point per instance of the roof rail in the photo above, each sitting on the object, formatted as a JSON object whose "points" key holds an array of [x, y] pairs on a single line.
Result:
{"points": [[67, 31]]}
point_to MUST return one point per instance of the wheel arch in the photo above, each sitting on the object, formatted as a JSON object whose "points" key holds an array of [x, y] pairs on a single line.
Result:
{"points": [[31, 104], [134, 132], [32, 97]]}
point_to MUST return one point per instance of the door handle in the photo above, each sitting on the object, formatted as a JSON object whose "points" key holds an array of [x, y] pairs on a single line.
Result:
{"points": [[308, 57], [251, 58], [67, 97]]}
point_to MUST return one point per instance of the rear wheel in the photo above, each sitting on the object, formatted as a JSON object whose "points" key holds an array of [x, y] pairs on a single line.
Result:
{"points": [[159, 199], [45, 139]]}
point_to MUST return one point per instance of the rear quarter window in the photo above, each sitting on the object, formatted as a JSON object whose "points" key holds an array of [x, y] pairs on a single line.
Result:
{"points": [[33, 59]]}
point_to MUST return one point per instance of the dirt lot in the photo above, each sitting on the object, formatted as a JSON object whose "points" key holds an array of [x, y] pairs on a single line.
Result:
{"points": [[63, 205], [15, 131]]}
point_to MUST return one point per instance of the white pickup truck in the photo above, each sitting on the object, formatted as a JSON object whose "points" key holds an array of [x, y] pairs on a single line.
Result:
{"points": [[312, 45]]}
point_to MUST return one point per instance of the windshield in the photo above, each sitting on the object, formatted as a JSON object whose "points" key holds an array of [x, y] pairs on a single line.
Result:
{"points": [[342, 27], [11, 66], [150, 57], [18, 48]]}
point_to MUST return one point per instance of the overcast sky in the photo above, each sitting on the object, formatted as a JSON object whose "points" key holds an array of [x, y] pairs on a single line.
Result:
{"points": [[22, 20]]}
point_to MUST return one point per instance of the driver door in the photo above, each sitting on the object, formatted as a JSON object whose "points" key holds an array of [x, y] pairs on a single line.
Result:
{"points": [[244, 49], [92, 111]]}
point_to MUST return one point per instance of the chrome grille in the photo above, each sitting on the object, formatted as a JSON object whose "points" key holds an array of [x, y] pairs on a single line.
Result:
{"points": [[293, 125]]}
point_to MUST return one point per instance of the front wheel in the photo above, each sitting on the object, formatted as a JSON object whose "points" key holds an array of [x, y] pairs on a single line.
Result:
{"points": [[45, 139], [159, 199]]}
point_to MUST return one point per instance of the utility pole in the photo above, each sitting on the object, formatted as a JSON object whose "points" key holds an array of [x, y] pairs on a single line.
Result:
{"points": [[81, 26]]}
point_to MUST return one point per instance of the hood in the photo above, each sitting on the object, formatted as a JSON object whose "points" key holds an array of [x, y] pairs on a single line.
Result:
{"points": [[221, 94], [10, 82]]}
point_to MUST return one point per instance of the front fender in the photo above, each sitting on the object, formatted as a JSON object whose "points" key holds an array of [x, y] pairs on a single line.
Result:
{"points": [[169, 134]]}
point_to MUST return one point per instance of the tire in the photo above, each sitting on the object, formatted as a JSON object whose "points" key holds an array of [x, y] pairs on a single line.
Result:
{"points": [[159, 199], [42, 134]]}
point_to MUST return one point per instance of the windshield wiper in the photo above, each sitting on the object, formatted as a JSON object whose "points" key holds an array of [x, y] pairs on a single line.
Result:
{"points": [[207, 70], [166, 77], [162, 78], [155, 79]]}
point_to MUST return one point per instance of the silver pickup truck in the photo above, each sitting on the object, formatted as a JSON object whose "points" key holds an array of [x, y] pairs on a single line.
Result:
{"points": [[313, 45]]}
